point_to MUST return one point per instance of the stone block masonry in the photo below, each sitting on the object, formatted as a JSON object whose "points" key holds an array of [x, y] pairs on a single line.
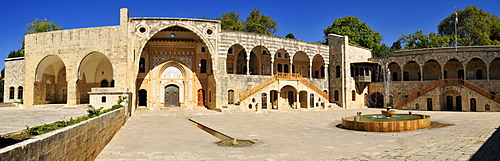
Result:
{"points": [[82, 141]]}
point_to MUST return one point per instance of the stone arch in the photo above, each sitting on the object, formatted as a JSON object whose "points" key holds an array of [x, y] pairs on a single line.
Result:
{"points": [[93, 69], [431, 70], [50, 81], [476, 69], [290, 94], [318, 67], [263, 57], [281, 59], [232, 59], [411, 71], [395, 71], [494, 69], [194, 29], [301, 64], [453, 68]]}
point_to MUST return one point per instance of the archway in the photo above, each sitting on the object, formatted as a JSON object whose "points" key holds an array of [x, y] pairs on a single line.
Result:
{"points": [[395, 70], [50, 81], [412, 71], [454, 69], [260, 62], [289, 93], [494, 68], [318, 67], [476, 69], [172, 96], [177, 55], [431, 70], [281, 62], [301, 64], [236, 59], [95, 71]]}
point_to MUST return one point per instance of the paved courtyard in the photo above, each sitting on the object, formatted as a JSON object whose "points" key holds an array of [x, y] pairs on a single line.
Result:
{"points": [[14, 119], [301, 135]]}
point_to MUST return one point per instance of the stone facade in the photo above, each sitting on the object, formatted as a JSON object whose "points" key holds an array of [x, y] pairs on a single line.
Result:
{"points": [[14, 80], [192, 63]]}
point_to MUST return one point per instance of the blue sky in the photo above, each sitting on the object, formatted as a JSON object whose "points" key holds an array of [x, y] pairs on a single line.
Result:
{"points": [[306, 19]]}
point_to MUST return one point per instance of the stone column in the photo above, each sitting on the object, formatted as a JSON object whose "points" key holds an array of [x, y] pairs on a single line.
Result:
{"points": [[272, 66], [248, 65], [311, 70], [297, 100], [290, 66], [326, 71], [72, 92]]}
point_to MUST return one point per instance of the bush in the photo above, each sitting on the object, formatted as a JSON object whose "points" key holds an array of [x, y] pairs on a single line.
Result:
{"points": [[93, 111]]}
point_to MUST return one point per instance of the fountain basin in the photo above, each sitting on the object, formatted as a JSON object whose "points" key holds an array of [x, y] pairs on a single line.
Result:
{"points": [[381, 123]]}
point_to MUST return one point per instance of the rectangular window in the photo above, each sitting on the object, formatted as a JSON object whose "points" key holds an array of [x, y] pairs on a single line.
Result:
{"points": [[203, 49]]}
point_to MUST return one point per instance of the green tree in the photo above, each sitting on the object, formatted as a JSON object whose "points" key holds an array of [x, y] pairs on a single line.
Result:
{"points": [[419, 40], [231, 21], [359, 33], [38, 26], [475, 27], [258, 23], [290, 35]]}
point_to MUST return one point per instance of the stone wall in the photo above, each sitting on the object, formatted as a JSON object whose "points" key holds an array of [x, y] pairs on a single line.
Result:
{"points": [[14, 77], [82, 141]]}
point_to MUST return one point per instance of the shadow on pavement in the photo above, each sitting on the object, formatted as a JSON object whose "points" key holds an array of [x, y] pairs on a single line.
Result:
{"points": [[490, 149]]}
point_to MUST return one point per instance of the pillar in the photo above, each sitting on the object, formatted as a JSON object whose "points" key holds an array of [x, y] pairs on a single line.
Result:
{"points": [[72, 92]]}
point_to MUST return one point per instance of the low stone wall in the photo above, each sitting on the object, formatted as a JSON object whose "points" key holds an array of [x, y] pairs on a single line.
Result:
{"points": [[82, 141]]}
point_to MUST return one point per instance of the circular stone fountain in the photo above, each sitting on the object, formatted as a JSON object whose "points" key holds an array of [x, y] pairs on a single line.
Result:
{"points": [[383, 123]]}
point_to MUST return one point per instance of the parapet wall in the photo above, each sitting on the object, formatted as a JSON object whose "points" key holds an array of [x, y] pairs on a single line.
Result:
{"points": [[82, 141]]}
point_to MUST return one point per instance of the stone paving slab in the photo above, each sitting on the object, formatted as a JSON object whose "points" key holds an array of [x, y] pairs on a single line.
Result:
{"points": [[295, 135], [14, 119]]}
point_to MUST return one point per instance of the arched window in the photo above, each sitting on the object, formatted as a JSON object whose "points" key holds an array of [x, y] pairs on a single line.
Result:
{"points": [[336, 95], [353, 95], [286, 68], [104, 83], [280, 68], [230, 97], [142, 65], [20, 92], [112, 84], [337, 71], [11, 93], [203, 66]]}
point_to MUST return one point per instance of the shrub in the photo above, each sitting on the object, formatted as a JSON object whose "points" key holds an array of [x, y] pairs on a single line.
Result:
{"points": [[93, 111]]}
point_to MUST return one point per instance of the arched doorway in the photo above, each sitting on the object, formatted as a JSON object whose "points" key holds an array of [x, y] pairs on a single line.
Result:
{"points": [[143, 97], [172, 96], [95, 70], [289, 93], [50, 81]]}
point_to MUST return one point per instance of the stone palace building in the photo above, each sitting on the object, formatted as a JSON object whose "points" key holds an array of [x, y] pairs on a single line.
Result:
{"points": [[192, 63]]}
